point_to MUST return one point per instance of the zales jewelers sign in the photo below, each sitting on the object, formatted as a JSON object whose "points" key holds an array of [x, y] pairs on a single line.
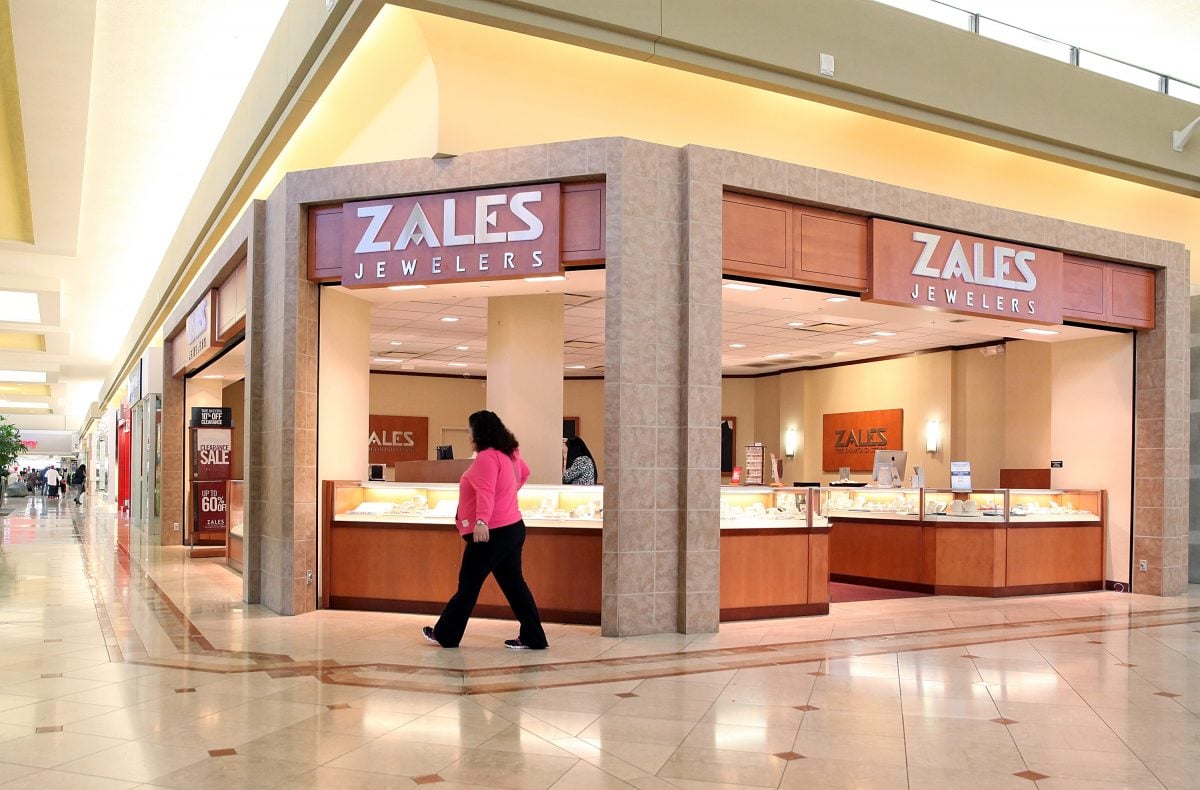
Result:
{"points": [[480, 235], [914, 266], [851, 438]]}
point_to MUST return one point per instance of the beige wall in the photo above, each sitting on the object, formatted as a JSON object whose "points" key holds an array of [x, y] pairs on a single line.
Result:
{"points": [[977, 428], [447, 402], [584, 398], [1091, 431], [738, 400], [343, 396], [233, 397], [1027, 372]]}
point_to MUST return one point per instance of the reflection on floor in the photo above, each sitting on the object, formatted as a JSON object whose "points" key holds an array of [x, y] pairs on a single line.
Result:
{"points": [[121, 669]]}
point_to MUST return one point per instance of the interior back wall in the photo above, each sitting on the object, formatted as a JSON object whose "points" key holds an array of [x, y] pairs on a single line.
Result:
{"points": [[447, 402]]}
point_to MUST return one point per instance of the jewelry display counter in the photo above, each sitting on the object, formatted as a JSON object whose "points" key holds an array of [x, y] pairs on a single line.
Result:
{"points": [[993, 542], [394, 547], [774, 554]]}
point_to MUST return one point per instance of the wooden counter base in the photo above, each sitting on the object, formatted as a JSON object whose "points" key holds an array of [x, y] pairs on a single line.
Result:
{"points": [[982, 559], [767, 573]]}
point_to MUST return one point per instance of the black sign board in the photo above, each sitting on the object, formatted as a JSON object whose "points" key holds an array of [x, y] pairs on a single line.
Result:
{"points": [[211, 417], [1056, 465]]}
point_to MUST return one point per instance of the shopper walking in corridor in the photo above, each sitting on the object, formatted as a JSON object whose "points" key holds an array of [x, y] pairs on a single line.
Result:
{"points": [[489, 520]]}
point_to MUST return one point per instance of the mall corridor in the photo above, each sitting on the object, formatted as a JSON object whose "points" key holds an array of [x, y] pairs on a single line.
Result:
{"points": [[123, 666]]}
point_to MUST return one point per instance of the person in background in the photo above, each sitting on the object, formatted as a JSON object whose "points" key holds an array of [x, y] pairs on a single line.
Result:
{"points": [[79, 481], [53, 478], [489, 520], [579, 467]]}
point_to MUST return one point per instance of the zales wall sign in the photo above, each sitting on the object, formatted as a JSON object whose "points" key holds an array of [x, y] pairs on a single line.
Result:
{"points": [[914, 266], [396, 438], [851, 438], [480, 235]]}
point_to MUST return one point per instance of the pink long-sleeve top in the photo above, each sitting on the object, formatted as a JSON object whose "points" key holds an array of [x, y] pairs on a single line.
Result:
{"points": [[488, 490]]}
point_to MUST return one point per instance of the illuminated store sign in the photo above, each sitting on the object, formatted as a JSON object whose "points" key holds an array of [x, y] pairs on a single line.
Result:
{"points": [[914, 266], [480, 235]]}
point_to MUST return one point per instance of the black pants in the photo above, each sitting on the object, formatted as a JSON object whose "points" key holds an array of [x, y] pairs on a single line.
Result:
{"points": [[501, 557]]}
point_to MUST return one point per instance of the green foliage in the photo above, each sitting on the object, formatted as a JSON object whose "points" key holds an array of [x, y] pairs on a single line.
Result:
{"points": [[10, 443]]}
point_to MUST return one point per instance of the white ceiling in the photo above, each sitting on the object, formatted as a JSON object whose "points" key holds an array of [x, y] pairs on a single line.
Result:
{"points": [[409, 335], [123, 102]]}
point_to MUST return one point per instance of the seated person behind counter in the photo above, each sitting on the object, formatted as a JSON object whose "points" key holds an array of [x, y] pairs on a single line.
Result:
{"points": [[579, 468]]}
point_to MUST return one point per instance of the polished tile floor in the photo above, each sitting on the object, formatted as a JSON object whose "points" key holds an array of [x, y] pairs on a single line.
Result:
{"points": [[134, 667]]}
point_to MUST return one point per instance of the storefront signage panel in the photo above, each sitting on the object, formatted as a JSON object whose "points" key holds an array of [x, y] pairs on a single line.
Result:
{"points": [[851, 438], [211, 417], [213, 458], [394, 438], [487, 234], [197, 343], [914, 266]]}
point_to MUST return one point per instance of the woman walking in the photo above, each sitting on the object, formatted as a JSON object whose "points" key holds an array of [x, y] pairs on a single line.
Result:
{"points": [[489, 520]]}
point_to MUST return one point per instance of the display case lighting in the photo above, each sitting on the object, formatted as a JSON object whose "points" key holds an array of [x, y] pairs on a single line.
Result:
{"points": [[741, 287]]}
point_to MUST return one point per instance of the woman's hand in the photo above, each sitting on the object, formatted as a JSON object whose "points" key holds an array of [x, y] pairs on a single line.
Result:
{"points": [[482, 534]]}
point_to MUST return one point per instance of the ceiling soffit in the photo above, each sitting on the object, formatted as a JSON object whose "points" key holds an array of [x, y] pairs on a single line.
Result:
{"points": [[16, 221]]}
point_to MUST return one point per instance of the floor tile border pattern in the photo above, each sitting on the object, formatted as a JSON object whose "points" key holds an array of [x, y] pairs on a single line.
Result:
{"points": [[188, 639]]}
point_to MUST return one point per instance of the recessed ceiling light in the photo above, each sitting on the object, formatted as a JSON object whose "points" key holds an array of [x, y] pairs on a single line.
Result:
{"points": [[1035, 331], [882, 333], [20, 307], [404, 287], [449, 318], [457, 364], [397, 342], [546, 278], [20, 404], [777, 356], [866, 341], [742, 287], [462, 348], [25, 376], [837, 298], [576, 367], [737, 345], [795, 323]]}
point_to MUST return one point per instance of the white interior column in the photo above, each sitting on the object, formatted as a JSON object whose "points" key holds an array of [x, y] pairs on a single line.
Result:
{"points": [[525, 377], [344, 399]]}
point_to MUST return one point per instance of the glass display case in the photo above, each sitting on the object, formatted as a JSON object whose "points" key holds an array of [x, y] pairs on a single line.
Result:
{"points": [[436, 503], [1054, 505], [946, 505], [867, 503], [755, 507]]}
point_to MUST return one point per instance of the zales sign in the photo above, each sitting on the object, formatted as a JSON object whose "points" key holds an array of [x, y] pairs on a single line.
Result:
{"points": [[914, 266], [851, 438], [481, 235]]}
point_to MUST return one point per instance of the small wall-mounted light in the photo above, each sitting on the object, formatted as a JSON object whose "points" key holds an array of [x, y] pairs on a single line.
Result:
{"points": [[933, 436], [791, 440]]}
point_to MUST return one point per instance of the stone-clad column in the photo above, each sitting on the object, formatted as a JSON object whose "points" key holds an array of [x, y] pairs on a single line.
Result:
{"points": [[1194, 488], [283, 359], [701, 542], [645, 461], [174, 437], [1161, 445]]}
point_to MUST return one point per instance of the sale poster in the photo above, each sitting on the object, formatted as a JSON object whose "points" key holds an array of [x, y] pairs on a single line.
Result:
{"points": [[212, 506], [213, 458]]}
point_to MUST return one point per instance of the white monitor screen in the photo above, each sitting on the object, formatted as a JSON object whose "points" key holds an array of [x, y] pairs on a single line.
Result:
{"points": [[887, 458]]}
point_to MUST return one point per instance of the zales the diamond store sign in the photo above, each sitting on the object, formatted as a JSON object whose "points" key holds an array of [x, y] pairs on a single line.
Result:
{"points": [[484, 234], [914, 266]]}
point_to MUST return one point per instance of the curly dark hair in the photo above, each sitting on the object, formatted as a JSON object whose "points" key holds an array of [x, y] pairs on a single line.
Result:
{"points": [[487, 431]]}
